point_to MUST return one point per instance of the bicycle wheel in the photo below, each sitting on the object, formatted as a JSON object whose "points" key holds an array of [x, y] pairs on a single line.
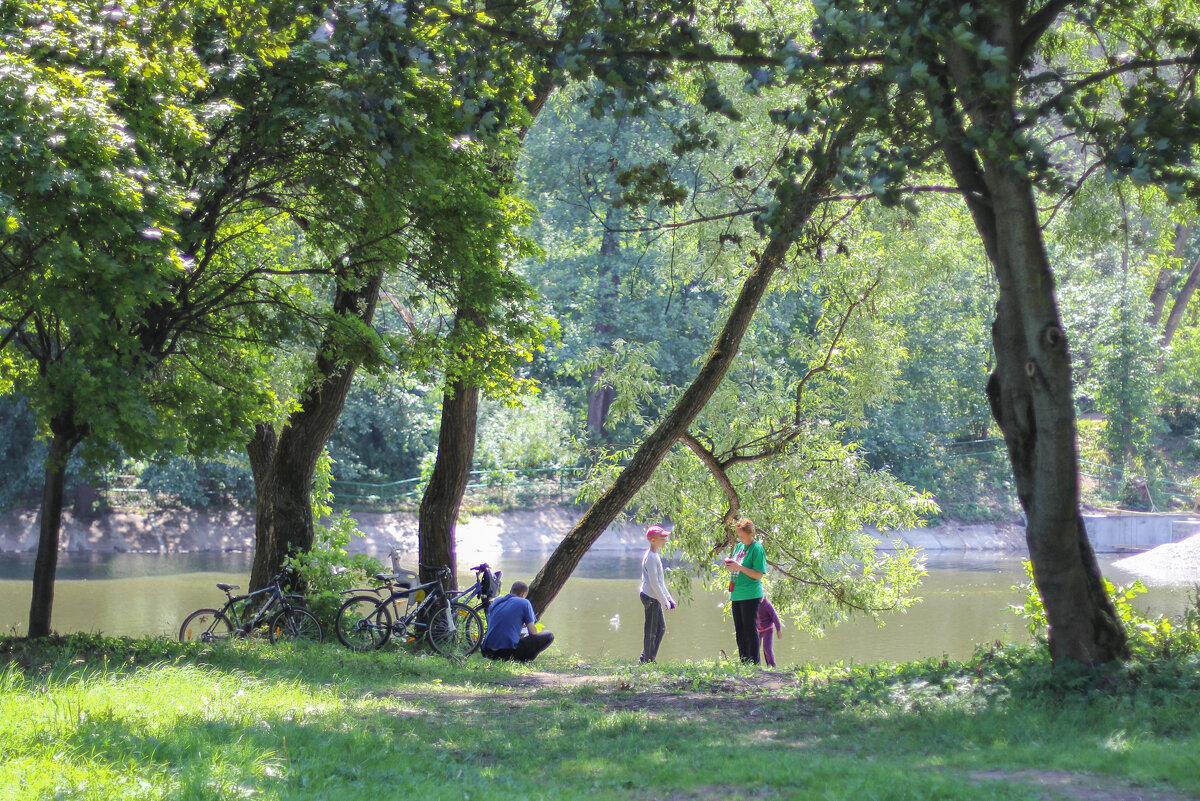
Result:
{"points": [[455, 632], [296, 623], [481, 610], [205, 625], [363, 623]]}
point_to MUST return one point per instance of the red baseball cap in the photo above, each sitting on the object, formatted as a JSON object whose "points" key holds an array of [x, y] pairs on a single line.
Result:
{"points": [[657, 531]]}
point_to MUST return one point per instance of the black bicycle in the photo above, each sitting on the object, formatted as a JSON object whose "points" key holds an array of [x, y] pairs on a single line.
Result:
{"points": [[280, 614], [421, 613]]}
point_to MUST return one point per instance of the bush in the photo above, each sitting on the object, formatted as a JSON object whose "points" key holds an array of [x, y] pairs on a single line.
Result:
{"points": [[1149, 638], [328, 567]]}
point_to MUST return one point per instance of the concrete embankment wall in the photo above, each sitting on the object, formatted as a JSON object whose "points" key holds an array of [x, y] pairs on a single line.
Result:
{"points": [[1108, 533], [528, 531]]}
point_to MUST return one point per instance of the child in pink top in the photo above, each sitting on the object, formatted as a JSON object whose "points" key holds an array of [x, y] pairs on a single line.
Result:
{"points": [[768, 625]]}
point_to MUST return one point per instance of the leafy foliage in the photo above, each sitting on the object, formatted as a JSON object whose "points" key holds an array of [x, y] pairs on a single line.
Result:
{"points": [[328, 567], [537, 434], [1150, 638]]}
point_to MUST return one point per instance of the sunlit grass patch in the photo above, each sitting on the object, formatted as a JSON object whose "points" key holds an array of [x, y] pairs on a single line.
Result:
{"points": [[107, 719]]}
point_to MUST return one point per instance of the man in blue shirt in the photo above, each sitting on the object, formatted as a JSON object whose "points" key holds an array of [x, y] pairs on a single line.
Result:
{"points": [[506, 617]]}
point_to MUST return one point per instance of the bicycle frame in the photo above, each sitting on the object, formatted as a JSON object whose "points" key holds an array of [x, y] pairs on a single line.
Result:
{"points": [[476, 589], [434, 591], [236, 604], [283, 616], [425, 612]]}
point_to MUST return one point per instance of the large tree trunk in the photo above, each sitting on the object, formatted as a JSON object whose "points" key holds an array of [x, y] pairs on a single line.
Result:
{"points": [[443, 496], [604, 510], [65, 436], [283, 464], [1031, 396], [1030, 390]]}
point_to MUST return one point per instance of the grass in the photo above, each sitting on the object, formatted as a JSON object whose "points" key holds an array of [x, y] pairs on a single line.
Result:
{"points": [[85, 717]]}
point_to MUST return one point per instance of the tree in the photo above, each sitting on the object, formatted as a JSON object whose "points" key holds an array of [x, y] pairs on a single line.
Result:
{"points": [[798, 202], [102, 301], [805, 173], [998, 81], [392, 181]]}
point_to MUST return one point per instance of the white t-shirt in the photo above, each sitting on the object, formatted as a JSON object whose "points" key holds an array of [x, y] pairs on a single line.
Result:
{"points": [[654, 581]]}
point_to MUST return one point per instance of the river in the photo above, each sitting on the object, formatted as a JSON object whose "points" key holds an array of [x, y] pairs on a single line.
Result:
{"points": [[965, 603]]}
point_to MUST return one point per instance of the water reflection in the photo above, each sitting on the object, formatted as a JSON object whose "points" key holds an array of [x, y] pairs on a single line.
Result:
{"points": [[966, 599]]}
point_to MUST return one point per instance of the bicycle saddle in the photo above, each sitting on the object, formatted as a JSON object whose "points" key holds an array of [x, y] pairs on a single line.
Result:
{"points": [[228, 587]]}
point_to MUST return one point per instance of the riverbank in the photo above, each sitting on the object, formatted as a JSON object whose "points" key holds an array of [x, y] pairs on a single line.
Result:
{"points": [[153, 719], [195, 530], [526, 531]]}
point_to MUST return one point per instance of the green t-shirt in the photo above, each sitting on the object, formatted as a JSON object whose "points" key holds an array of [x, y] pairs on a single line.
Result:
{"points": [[744, 587]]}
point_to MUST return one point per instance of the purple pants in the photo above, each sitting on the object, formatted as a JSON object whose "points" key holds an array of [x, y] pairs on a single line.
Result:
{"points": [[767, 640]]}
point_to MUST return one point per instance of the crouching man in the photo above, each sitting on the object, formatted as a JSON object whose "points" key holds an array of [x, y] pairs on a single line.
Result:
{"points": [[506, 617]]}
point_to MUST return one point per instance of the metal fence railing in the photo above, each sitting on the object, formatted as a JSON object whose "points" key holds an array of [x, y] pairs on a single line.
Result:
{"points": [[500, 485], [509, 486]]}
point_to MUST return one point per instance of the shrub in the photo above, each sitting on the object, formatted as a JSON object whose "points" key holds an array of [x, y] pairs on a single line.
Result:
{"points": [[328, 567], [1149, 637]]}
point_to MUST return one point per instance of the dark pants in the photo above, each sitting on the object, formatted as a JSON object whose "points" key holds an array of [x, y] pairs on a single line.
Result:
{"points": [[745, 628], [528, 647], [656, 627]]}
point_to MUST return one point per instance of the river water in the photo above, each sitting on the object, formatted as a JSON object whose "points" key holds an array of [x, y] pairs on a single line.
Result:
{"points": [[965, 603]]}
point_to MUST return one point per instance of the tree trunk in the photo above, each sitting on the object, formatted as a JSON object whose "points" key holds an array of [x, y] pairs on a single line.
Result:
{"points": [[600, 397], [283, 465], [1031, 396], [649, 455], [65, 436], [608, 287], [83, 501], [1030, 390], [443, 497], [1180, 306], [1166, 276]]}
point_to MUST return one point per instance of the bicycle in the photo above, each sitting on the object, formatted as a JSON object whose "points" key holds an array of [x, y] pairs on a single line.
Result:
{"points": [[427, 613], [283, 617], [486, 588]]}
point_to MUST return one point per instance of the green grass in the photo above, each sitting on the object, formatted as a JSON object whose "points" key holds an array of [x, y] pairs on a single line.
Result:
{"points": [[85, 717]]}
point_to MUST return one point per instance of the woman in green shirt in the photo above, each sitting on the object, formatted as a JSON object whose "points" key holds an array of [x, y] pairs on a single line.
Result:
{"points": [[747, 566]]}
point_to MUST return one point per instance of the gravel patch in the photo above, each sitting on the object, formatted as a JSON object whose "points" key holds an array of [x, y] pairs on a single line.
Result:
{"points": [[1172, 563]]}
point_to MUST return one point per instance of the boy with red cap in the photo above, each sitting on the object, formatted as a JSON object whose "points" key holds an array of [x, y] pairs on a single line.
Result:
{"points": [[654, 594]]}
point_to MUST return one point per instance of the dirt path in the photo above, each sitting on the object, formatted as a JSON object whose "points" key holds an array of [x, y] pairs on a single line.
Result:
{"points": [[1061, 784], [619, 694]]}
